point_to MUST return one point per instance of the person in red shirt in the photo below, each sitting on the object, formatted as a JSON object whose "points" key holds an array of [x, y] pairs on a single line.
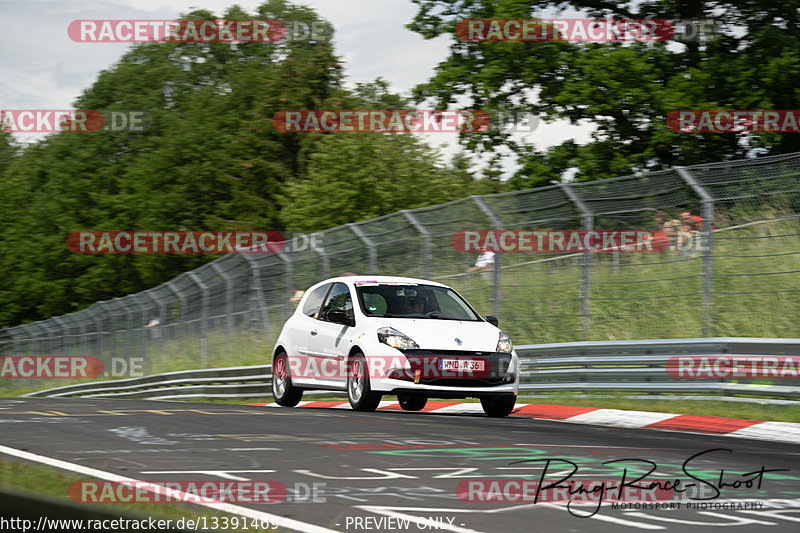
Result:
{"points": [[694, 222]]}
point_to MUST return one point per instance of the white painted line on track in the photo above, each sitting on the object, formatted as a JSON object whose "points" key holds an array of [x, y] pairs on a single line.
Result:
{"points": [[287, 523]]}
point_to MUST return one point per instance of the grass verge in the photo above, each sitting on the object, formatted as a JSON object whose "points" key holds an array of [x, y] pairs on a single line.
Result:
{"points": [[39, 481]]}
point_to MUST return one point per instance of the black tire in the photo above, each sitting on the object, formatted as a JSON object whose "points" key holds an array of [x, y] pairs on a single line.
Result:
{"points": [[359, 392], [285, 394], [412, 402], [498, 406]]}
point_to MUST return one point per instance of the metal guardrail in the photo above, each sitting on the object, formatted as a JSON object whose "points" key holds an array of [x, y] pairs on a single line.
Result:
{"points": [[605, 366], [232, 382]]}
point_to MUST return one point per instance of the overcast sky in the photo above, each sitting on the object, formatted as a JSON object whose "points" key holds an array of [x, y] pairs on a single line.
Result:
{"points": [[41, 68]]}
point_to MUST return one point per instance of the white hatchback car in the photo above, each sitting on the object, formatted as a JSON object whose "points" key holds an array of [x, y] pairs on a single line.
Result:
{"points": [[375, 335]]}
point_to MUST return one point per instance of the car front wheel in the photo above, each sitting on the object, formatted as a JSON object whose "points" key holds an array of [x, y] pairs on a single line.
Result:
{"points": [[359, 393], [498, 406], [285, 394]]}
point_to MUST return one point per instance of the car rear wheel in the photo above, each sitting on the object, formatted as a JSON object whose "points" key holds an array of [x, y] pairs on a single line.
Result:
{"points": [[412, 402], [359, 392], [285, 394], [498, 406]]}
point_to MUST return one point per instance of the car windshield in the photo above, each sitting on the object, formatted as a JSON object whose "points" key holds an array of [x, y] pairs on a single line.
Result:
{"points": [[399, 300]]}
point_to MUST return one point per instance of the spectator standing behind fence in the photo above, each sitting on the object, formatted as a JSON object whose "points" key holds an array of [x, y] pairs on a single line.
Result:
{"points": [[484, 261], [668, 226], [153, 327], [689, 235]]}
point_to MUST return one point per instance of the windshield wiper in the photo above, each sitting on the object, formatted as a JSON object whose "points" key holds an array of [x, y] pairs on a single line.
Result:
{"points": [[440, 316]]}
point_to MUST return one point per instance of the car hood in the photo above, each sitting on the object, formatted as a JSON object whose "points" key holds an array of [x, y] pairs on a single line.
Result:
{"points": [[433, 334]]}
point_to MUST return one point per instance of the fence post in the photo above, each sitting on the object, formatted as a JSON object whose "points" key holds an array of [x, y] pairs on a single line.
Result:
{"points": [[261, 306], [182, 300], [708, 265], [64, 335], [203, 318], [426, 242], [326, 261], [46, 338], [496, 224], [144, 341], [129, 336], [109, 342], [83, 335], [287, 305], [370, 246], [98, 326], [228, 303], [15, 340], [162, 320], [586, 272]]}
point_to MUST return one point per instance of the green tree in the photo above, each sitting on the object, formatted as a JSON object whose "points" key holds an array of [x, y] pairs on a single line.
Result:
{"points": [[211, 160], [8, 151], [358, 176], [627, 90]]}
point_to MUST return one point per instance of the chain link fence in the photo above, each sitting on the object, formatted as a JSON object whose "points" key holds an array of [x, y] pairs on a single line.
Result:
{"points": [[739, 277]]}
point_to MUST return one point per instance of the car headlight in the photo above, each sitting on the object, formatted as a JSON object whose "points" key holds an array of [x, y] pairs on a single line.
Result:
{"points": [[504, 344], [395, 339]]}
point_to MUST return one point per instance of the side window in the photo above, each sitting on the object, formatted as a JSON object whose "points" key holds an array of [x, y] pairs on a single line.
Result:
{"points": [[314, 300], [339, 298]]}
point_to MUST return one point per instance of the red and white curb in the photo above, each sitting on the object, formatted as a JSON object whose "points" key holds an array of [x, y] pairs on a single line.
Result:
{"points": [[710, 425]]}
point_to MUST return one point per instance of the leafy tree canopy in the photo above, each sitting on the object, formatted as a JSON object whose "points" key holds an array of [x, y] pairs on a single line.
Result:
{"points": [[627, 90]]}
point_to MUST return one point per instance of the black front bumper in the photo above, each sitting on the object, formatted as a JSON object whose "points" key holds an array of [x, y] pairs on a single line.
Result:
{"points": [[427, 363]]}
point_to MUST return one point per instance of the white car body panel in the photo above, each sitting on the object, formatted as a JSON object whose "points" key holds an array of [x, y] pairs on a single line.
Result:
{"points": [[304, 338]]}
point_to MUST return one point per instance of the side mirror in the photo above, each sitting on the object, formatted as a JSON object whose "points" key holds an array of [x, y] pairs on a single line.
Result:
{"points": [[492, 320], [339, 317]]}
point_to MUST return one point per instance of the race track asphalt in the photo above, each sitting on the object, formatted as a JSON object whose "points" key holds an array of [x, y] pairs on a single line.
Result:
{"points": [[374, 471]]}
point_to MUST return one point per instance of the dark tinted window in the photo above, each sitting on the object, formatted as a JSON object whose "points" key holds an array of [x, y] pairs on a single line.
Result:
{"points": [[314, 300], [414, 301], [339, 298]]}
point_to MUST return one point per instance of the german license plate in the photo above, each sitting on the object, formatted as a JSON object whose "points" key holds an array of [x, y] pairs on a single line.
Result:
{"points": [[461, 364]]}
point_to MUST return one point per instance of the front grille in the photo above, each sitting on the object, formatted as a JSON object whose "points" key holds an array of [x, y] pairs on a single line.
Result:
{"points": [[495, 368]]}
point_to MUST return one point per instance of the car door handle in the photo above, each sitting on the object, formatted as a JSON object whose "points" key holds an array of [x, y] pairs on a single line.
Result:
{"points": [[313, 332]]}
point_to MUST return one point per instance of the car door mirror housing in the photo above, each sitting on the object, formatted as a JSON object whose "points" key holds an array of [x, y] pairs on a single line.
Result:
{"points": [[492, 320], [339, 317]]}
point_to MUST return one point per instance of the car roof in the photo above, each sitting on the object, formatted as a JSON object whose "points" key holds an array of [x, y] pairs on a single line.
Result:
{"points": [[352, 280]]}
